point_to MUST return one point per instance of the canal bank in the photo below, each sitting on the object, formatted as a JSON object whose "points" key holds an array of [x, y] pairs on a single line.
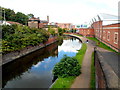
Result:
{"points": [[106, 65], [83, 80], [9, 57], [35, 69]]}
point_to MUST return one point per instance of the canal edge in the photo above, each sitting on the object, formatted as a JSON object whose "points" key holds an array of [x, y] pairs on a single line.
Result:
{"points": [[26, 53], [53, 83]]}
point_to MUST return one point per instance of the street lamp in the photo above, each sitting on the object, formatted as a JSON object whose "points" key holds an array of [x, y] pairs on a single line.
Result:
{"points": [[4, 16]]}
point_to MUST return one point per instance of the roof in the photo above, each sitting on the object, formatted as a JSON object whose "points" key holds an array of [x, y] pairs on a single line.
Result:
{"points": [[34, 18], [11, 22], [53, 26], [65, 23], [8, 23], [43, 21], [4, 23], [106, 18]]}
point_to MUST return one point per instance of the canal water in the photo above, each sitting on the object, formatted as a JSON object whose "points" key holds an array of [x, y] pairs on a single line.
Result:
{"points": [[35, 69]]}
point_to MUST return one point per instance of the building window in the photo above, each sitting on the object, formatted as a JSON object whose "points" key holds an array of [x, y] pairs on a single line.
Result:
{"points": [[100, 33], [88, 31], [116, 37], [104, 34], [108, 36]]}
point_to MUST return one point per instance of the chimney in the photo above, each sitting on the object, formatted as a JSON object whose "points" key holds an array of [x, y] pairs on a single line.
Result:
{"points": [[48, 19], [38, 18]]}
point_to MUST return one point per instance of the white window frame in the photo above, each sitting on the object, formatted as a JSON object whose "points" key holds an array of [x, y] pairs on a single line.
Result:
{"points": [[100, 33], [108, 33], [117, 37], [104, 33]]}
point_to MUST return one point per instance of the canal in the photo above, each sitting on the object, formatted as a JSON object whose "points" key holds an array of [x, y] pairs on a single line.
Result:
{"points": [[35, 70]]}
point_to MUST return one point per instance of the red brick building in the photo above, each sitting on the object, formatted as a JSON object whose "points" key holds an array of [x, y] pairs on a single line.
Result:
{"points": [[86, 32], [64, 25], [106, 29], [34, 22], [37, 23]]}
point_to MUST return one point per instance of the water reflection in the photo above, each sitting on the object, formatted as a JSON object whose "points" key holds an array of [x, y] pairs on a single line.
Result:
{"points": [[35, 69], [15, 70]]}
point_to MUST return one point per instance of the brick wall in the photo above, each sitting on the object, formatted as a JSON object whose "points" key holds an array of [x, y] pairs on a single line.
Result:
{"points": [[86, 32], [107, 34], [33, 24]]}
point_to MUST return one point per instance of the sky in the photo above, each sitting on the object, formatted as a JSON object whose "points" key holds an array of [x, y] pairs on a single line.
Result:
{"points": [[63, 11]]}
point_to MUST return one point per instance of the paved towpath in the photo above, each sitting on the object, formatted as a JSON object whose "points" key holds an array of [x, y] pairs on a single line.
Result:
{"points": [[83, 80], [109, 62]]}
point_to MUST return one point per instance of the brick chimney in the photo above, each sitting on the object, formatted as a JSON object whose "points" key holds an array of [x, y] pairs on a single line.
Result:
{"points": [[48, 19]]}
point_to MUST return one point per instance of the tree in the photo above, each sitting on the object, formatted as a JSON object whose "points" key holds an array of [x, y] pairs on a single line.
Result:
{"points": [[21, 18], [9, 14], [30, 15], [60, 31], [52, 31]]}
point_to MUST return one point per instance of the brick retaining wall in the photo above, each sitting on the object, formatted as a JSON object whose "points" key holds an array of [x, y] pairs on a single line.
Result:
{"points": [[17, 54]]}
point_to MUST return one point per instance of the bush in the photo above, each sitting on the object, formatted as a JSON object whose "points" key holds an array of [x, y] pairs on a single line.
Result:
{"points": [[68, 66], [16, 37]]}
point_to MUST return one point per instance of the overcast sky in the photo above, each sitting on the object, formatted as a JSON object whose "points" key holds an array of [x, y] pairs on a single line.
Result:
{"points": [[63, 11]]}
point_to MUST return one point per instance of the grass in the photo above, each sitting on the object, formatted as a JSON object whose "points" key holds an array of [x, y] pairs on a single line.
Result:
{"points": [[92, 81], [100, 44], [67, 82], [63, 82], [80, 55], [79, 35]]}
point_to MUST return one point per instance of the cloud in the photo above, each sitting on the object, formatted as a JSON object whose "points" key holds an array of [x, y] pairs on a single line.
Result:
{"points": [[73, 11], [70, 48]]}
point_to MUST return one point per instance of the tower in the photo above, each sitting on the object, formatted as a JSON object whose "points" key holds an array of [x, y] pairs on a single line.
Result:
{"points": [[48, 19]]}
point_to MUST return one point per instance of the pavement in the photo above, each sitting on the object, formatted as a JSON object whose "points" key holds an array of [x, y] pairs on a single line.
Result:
{"points": [[83, 80], [109, 62]]}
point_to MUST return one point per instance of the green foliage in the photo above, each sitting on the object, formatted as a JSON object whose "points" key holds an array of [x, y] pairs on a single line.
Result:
{"points": [[80, 55], [68, 66], [52, 31], [30, 15], [60, 31], [10, 15], [100, 44], [16, 37], [7, 30], [67, 81], [21, 18], [60, 40]]}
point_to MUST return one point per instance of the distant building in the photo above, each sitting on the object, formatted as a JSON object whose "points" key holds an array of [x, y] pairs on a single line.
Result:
{"points": [[86, 32], [106, 28], [37, 23], [54, 27], [73, 27], [64, 25], [34, 22], [43, 23]]}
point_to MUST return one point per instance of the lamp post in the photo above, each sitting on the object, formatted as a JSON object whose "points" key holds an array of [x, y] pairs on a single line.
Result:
{"points": [[4, 16]]}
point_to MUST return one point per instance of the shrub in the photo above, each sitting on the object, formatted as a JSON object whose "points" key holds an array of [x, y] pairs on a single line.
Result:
{"points": [[68, 66], [16, 37]]}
